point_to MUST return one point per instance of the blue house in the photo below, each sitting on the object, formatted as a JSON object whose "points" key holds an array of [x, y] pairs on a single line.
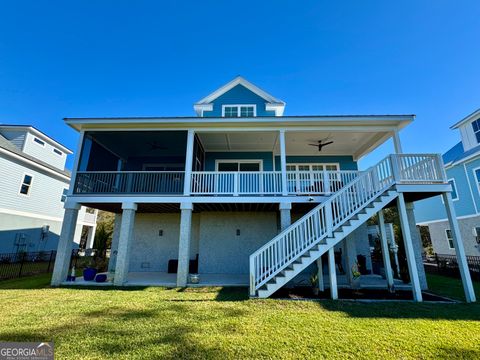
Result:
{"points": [[243, 195], [462, 166]]}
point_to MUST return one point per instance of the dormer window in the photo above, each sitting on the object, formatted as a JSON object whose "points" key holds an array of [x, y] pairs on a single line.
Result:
{"points": [[239, 110], [476, 129]]}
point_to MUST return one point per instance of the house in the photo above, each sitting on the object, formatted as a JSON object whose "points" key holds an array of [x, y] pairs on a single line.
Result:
{"points": [[242, 194], [34, 185], [462, 166]]}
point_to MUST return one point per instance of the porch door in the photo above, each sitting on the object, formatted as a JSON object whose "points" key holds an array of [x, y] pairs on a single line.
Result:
{"points": [[307, 178], [241, 176]]}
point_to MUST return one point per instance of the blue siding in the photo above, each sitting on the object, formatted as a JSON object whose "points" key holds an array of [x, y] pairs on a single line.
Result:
{"points": [[464, 205], [430, 209], [346, 162], [238, 95], [266, 156], [470, 166]]}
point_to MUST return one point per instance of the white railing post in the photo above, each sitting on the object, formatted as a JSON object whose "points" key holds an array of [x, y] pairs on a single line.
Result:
{"points": [[329, 218], [326, 182], [253, 291], [440, 167], [235, 184], [283, 162], [188, 162], [395, 169]]}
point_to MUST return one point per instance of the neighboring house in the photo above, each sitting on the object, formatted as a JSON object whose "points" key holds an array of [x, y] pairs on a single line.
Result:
{"points": [[243, 195], [462, 165], [33, 187]]}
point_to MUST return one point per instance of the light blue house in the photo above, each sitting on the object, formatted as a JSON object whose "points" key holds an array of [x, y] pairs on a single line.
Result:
{"points": [[462, 166], [33, 188], [243, 195]]}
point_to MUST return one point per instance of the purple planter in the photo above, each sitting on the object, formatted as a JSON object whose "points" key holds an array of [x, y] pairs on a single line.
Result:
{"points": [[89, 274]]}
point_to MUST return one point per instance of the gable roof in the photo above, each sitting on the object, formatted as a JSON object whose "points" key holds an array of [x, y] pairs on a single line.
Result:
{"points": [[32, 129], [274, 104], [473, 116]]}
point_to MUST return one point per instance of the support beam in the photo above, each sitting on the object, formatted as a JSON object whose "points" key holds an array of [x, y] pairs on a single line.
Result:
{"points": [[407, 239], [385, 251], [124, 243], [184, 244], [285, 215], [283, 162], [65, 243], [332, 274], [396, 142], [188, 162], [459, 249], [321, 285]]}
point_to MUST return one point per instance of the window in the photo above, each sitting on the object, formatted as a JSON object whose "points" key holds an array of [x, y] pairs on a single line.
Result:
{"points": [[239, 110], [58, 152], [448, 233], [239, 165], [476, 233], [307, 178], [39, 142], [454, 189], [26, 184], [64, 195], [476, 129]]}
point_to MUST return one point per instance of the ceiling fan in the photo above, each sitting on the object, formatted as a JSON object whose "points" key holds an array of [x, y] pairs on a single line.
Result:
{"points": [[320, 143], [155, 145]]}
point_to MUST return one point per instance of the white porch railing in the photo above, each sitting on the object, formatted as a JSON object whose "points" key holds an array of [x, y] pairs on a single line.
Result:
{"points": [[323, 220]]}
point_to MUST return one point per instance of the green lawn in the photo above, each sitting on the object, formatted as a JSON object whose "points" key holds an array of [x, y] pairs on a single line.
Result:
{"points": [[223, 323]]}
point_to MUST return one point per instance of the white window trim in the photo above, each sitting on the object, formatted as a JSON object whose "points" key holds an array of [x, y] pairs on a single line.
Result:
{"points": [[315, 164], [29, 187], [475, 132], [239, 161], [35, 142], [448, 239], [476, 181], [456, 189], [238, 108]]}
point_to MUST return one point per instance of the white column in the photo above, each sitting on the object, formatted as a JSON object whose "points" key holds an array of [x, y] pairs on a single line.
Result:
{"points": [[76, 162], [91, 237], [321, 285], [65, 243], [285, 215], [396, 142], [124, 243], [184, 244], [407, 239], [188, 162], [114, 247], [332, 274], [385, 251], [350, 248], [459, 249], [283, 162]]}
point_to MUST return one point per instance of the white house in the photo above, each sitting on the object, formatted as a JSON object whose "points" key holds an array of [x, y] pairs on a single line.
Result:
{"points": [[244, 195], [33, 187]]}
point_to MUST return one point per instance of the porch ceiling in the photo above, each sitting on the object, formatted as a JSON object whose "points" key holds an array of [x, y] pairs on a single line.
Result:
{"points": [[356, 144]]}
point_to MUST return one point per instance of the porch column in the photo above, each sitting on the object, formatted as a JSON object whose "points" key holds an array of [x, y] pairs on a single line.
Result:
{"points": [[407, 240], [417, 245], [396, 142], [321, 285], [114, 247], [285, 216], [65, 243], [459, 249], [385, 251], [184, 244], [332, 274], [91, 236], [283, 162], [124, 243], [350, 247], [188, 162]]}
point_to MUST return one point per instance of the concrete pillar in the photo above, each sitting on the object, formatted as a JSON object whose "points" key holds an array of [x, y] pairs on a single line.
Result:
{"points": [[350, 256], [285, 215], [385, 251], [332, 274], [184, 243], [283, 162], [407, 239], [114, 247], [321, 285], [459, 249], [417, 246], [65, 243], [124, 243]]}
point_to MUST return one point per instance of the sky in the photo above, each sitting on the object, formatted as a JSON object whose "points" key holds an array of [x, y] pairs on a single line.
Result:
{"points": [[156, 58]]}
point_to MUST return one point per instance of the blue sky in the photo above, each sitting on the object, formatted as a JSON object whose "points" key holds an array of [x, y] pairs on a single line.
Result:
{"points": [[151, 58]]}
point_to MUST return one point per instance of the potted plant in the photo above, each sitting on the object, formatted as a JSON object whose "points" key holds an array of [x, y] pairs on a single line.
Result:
{"points": [[314, 283], [355, 276]]}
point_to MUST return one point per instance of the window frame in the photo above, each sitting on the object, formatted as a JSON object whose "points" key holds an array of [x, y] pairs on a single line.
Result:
{"points": [[22, 183], [239, 161], [449, 239], [454, 186], [38, 141], [477, 181], [239, 106], [477, 122]]}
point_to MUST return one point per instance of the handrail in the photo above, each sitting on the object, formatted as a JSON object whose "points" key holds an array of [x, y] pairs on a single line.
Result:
{"points": [[323, 220]]}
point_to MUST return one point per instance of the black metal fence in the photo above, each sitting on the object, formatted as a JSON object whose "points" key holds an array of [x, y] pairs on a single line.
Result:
{"points": [[15, 265], [447, 265]]}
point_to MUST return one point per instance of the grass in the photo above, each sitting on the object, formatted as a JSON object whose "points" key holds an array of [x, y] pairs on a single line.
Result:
{"points": [[222, 323]]}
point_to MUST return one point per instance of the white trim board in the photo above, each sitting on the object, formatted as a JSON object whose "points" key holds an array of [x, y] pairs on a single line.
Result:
{"points": [[426, 223]]}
